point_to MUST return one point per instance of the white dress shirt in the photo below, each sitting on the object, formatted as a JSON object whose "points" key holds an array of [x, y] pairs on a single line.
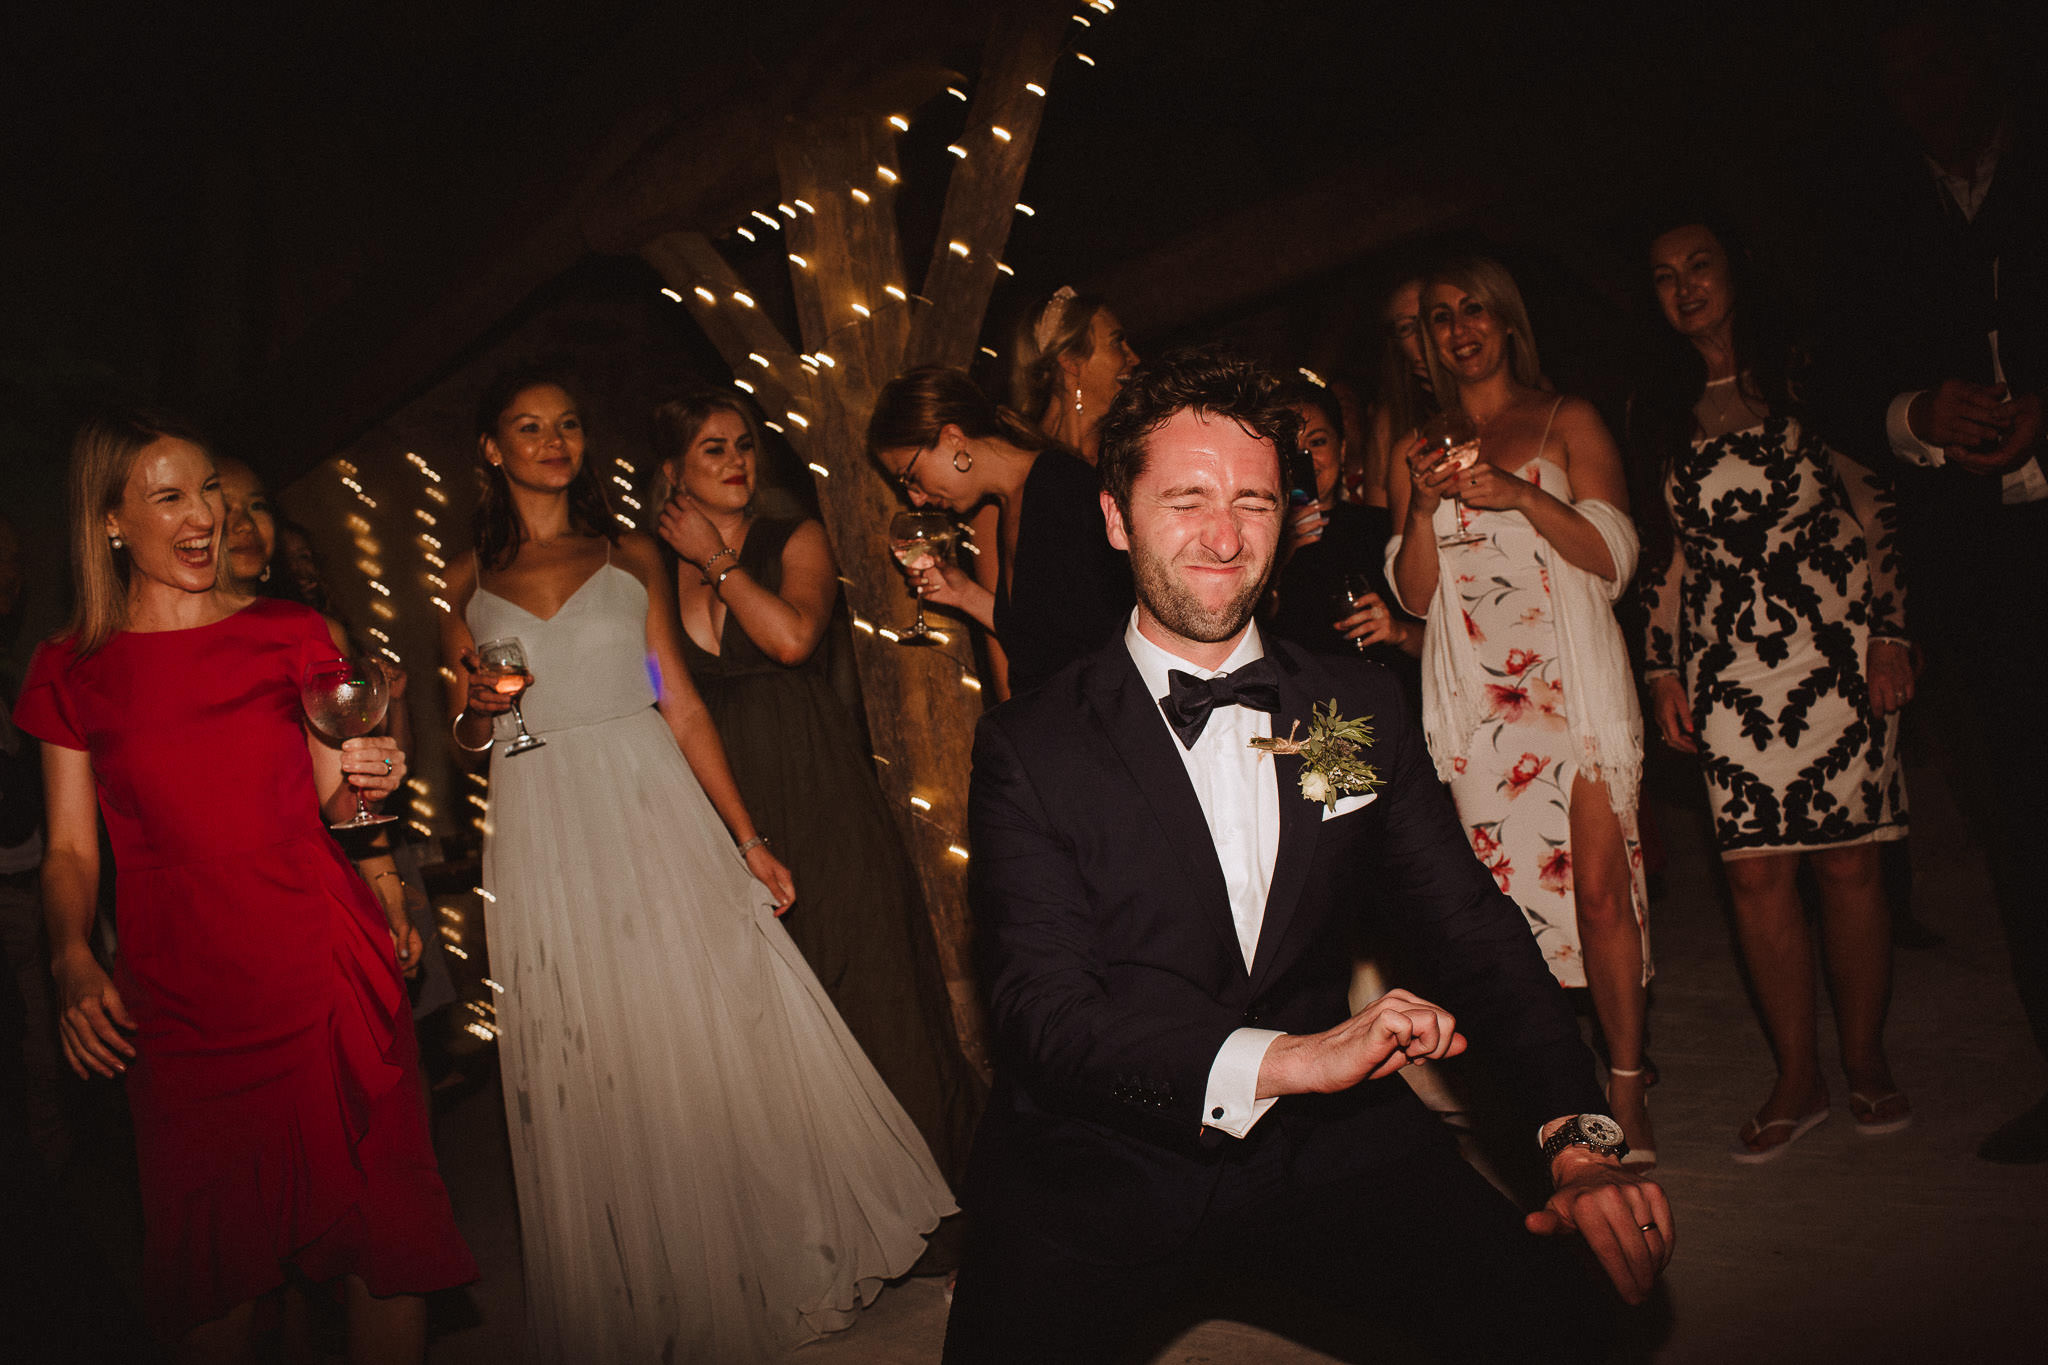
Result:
{"points": [[2026, 483], [1240, 799]]}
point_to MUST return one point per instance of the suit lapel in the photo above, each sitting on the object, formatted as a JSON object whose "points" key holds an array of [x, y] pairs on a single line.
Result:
{"points": [[1141, 738], [1300, 823]]}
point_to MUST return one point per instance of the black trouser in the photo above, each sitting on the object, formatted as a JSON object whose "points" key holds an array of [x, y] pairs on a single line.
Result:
{"points": [[1986, 615], [1424, 1245]]}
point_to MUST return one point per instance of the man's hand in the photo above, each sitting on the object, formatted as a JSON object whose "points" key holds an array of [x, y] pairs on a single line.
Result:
{"points": [[1396, 1030], [2022, 417], [1624, 1218], [1959, 415]]}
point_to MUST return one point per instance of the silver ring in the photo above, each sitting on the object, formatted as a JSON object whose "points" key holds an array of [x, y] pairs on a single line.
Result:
{"points": [[387, 767], [1647, 1227]]}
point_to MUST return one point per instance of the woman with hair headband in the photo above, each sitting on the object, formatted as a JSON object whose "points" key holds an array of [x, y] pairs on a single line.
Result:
{"points": [[1528, 701]]}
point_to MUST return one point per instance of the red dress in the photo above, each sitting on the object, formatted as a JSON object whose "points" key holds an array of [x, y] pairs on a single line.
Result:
{"points": [[278, 1118]]}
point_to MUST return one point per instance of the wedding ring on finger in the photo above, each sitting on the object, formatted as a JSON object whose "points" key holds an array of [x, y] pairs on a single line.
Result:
{"points": [[1647, 1227]]}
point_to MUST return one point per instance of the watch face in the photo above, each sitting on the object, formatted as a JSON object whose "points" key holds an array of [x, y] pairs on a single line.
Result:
{"points": [[1600, 1129]]}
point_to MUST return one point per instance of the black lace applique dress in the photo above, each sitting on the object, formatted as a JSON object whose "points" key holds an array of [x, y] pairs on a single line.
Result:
{"points": [[1786, 568]]}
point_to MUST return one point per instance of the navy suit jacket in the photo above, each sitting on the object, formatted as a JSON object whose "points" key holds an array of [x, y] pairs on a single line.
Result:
{"points": [[1114, 974]]}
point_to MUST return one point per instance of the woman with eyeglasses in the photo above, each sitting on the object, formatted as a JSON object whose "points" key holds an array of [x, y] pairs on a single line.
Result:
{"points": [[1060, 589]]}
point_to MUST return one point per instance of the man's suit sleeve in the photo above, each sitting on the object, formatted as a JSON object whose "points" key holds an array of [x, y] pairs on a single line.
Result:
{"points": [[1471, 942], [1136, 1057]]}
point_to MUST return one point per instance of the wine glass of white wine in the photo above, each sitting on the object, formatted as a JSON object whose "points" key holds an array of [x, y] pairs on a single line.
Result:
{"points": [[504, 667], [1451, 438], [920, 540], [346, 698]]}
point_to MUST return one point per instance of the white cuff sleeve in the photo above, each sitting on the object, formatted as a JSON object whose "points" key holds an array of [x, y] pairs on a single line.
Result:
{"points": [[1905, 444], [1231, 1102]]}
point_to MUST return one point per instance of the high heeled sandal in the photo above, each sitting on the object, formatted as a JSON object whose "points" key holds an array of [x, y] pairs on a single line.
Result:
{"points": [[1644, 1157]]}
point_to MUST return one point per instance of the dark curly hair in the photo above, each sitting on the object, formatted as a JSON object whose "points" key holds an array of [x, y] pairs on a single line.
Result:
{"points": [[1211, 380], [496, 530]]}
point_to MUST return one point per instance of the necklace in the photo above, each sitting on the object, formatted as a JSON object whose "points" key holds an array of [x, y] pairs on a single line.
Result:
{"points": [[1728, 401]]}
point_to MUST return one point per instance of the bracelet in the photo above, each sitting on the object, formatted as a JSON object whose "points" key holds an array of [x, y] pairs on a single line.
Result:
{"points": [[455, 731], [374, 878], [758, 841], [709, 560], [719, 582]]}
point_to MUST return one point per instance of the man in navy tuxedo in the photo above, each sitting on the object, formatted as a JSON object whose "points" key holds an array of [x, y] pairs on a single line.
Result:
{"points": [[1184, 1096]]}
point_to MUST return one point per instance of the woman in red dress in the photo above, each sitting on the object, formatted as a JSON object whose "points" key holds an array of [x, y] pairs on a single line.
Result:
{"points": [[255, 1006]]}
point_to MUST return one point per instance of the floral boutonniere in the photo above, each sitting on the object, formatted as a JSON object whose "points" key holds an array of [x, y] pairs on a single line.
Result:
{"points": [[1330, 755]]}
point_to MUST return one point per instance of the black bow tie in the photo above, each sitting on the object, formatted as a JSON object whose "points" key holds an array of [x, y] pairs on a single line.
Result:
{"points": [[1189, 699]]}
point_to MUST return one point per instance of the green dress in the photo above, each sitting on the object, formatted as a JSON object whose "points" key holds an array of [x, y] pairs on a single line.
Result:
{"points": [[860, 920]]}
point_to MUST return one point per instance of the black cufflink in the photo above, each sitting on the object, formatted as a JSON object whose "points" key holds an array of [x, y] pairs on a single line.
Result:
{"points": [[1217, 1112]]}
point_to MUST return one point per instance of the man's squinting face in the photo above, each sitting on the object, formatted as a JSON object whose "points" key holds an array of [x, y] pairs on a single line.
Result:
{"points": [[1203, 526]]}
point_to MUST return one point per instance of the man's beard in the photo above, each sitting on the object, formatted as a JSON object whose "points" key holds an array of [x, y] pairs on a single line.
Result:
{"points": [[1174, 606]]}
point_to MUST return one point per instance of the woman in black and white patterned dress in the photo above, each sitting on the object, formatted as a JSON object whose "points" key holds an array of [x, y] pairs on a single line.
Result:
{"points": [[1776, 653]]}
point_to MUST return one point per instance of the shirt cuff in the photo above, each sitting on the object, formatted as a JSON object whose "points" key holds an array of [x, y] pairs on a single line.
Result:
{"points": [[1899, 431], [1231, 1103]]}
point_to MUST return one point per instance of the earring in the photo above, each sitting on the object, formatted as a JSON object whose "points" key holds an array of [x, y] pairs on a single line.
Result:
{"points": [[264, 577], [115, 540], [1077, 400], [962, 454]]}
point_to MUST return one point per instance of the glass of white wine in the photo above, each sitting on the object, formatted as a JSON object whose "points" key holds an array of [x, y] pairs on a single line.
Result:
{"points": [[504, 667], [346, 698], [920, 540], [1451, 438]]}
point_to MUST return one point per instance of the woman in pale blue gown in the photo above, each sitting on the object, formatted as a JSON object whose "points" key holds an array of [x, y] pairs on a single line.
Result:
{"points": [[708, 1167]]}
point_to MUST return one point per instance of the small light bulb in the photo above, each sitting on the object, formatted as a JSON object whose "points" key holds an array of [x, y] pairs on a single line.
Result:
{"points": [[799, 261], [705, 294], [957, 248], [920, 803], [1000, 131], [775, 427], [895, 293], [827, 361], [820, 470], [957, 150], [1005, 268], [899, 123], [1027, 210], [671, 294], [861, 197], [802, 205], [957, 93], [862, 309], [759, 359], [1035, 88], [1086, 58], [786, 211], [799, 419], [744, 300], [885, 173], [746, 234], [989, 351], [743, 384], [766, 218]]}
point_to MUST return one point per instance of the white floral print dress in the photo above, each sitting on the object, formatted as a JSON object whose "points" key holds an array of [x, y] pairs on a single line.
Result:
{"points": [[1513, 785]]}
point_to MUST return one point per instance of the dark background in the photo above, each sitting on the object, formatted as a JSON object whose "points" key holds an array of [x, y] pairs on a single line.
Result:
{"points": [[235, 209]]}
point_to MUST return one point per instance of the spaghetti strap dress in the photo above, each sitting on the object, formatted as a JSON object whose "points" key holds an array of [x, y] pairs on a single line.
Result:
{"points": [[860, 917], [708, 1167], [1513, 785], [277, 1109]]}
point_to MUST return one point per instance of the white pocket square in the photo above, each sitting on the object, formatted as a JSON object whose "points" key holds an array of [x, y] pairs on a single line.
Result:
{"points": [[1347, 804]]}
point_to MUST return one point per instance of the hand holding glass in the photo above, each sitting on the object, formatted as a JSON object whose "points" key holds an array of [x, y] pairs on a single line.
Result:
{"points": [[345, 699], [504, 667], [920, 541], [1450, 439], [1344, 600]]}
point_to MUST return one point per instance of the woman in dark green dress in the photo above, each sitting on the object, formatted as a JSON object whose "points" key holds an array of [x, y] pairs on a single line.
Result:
{"points": [[756, 595]]}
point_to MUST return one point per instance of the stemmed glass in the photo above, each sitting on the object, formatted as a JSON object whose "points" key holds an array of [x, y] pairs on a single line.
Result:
{"points": [[1451, 438], [504, 665], [1345, 597], [347, 698], [920, 540]]}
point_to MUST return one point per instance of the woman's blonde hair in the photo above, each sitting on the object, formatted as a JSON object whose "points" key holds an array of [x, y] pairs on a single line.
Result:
{"points": [[103, 454], [1061, 326], [1488, 281]]}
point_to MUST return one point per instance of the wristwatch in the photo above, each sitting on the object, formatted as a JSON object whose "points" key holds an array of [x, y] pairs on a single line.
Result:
{"points": [[1597, 1131]]}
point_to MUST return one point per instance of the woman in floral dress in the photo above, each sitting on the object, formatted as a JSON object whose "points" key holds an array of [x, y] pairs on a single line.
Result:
{"points": [[1775, 652], [1528, 701]]}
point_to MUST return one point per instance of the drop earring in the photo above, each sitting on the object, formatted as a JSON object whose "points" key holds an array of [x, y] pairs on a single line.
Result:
{"points": [[1077, 400], [114, 541]]}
